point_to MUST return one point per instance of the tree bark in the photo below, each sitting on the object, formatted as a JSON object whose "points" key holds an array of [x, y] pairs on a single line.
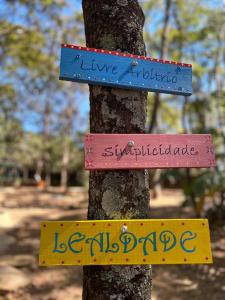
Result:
{"points": [[116, 25]]}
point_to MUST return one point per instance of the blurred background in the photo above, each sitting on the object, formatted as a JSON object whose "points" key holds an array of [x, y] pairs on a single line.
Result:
{"points": [[43, 120]]}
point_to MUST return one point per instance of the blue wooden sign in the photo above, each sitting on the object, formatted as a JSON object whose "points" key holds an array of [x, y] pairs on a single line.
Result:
{"points": [[118, 69]]}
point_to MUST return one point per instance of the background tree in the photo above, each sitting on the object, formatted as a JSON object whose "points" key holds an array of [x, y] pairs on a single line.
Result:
{"points": [[30, 35], [194, 31]]}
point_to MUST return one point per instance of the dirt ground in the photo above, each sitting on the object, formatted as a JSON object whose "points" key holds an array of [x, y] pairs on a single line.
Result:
{"points": [[21, 211]]}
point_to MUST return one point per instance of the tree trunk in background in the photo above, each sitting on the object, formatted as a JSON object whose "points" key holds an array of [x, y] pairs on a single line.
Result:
{"points": [[163, 53], [25, 173], [46, 154], [65, 165], [67, 119], [116, 25], [157, 189]]}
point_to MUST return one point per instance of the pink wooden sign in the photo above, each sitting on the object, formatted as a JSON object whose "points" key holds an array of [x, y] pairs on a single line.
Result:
{"points": [[148, 151]]}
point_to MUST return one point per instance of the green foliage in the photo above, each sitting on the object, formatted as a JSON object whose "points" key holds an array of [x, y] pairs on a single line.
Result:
{"points": [[30, 36], [195, 34]]}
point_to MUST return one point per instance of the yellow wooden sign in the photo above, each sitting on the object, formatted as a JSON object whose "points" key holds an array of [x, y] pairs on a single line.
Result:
{"points": [[125, 242]]}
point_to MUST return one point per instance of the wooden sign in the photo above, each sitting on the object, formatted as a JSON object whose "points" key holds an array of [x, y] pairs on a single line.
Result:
{"points": [[124, 70], [142, 151], [125, 242]]}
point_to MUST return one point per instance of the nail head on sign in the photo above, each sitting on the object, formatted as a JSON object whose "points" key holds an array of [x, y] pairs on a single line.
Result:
{"points": [[124, 228], [130, 143], [134, 63]]}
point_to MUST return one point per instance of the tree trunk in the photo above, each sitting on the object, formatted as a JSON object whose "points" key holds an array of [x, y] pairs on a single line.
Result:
{"points": [[46, 154], [65, 163], [116, 25], [163, 53], [67, 118], [25, 173], [157, 188]]}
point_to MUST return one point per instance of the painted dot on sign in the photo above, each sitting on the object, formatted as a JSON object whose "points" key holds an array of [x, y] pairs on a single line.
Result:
{"points": [[203, 224], [206, 258], [61, 225], [163, 259], [78, 261], [162, 224], [43, 261], [144, 260], [127, 259], [111, 259], [185, 259], [94, 260], [93, 224], [77, 224], [44, 225], [182, 223], [109, 224], [141, 224], [62, 262]]}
